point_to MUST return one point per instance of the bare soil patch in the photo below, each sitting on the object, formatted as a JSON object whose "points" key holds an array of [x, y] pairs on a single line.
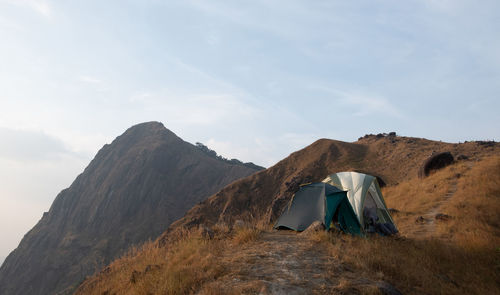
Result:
{"points": [[284, 262]]}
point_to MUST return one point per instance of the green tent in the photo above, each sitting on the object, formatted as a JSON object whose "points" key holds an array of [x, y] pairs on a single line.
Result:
{"points": [[319, 202], [363, 192]]}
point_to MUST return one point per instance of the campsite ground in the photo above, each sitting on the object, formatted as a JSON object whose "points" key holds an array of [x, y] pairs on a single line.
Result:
{"points": [[285, 262], [456, 255]]}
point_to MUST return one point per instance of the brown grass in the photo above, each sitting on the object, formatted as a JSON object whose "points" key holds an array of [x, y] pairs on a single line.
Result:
{"points": [[245, 235], [416, 197], [181, 269], [476, 208], [463, 256], [154, 270], [420, 267]]}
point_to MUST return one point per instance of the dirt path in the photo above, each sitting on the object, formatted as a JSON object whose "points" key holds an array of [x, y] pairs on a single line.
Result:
{"points": [[426, 227], [286, 263]]}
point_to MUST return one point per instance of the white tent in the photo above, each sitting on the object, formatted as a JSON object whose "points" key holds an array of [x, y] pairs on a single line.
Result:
{"points": [[363, 191]]}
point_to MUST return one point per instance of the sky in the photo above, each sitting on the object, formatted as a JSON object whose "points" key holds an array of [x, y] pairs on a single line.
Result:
{"points": [[253, 80]]}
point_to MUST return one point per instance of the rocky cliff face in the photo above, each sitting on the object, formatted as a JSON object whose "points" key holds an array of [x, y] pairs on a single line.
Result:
{"points": [[132, 191]]}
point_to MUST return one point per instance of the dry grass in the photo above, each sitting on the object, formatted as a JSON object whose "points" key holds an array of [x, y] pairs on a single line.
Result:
{"points": [[245, 235], [154, 270], [419, 267], [476, 208], [181, 269], [416, 197], [462, 257]]}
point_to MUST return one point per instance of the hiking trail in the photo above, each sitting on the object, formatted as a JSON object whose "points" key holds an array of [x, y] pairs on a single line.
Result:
{"points": [[283, 262], [427, 227]]}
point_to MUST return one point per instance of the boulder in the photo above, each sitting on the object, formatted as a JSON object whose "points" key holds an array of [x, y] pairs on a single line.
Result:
{"points": [[435, 162]]}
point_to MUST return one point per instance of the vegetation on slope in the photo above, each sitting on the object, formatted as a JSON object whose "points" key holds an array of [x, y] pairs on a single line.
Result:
{"points": [[460, 257], [458, 254], [214, 154], [182, 268]]}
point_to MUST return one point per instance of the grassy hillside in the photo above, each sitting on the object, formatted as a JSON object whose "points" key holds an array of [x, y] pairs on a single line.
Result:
{"points": [[457, 254]]}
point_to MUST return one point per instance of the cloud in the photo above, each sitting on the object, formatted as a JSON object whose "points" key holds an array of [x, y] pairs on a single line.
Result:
{"points": [[263, 150], [40, 6], [10, 24], [260, 15], [361, 103], [30, 145], [89, 79], [196, 108]]}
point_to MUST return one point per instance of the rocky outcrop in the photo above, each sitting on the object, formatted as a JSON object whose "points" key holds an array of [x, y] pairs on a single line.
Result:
{"points": [[436, 162], [132, 191]]}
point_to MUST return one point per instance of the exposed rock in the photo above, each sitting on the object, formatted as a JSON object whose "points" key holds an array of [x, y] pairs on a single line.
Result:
{"points": [[484, 143], [436, 162], [420, 219], [131, 192]]}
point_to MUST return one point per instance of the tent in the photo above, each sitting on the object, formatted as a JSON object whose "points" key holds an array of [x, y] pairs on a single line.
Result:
{"points": [[319, 202], [365, 198]]}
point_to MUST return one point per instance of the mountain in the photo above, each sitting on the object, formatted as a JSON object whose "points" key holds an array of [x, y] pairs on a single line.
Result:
{"points": [[450, 254], [130, 192], [259, 198]]}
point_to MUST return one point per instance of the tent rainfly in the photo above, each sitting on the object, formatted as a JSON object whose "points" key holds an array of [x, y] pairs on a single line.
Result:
{"points": [[319, 202], [365, 198]]}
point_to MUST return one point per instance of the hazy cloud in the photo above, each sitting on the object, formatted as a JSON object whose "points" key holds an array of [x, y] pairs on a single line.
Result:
{"points": [[29, 145], [40, 6], [361, 103], [262, 150], [89, 79], [197, 109]]}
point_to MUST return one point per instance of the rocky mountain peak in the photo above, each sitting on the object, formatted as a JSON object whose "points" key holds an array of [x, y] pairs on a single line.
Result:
{"points": [[131, 191]]}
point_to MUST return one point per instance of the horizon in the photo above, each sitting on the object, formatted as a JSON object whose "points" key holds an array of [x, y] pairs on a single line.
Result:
{"points": [[252, 81]]}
